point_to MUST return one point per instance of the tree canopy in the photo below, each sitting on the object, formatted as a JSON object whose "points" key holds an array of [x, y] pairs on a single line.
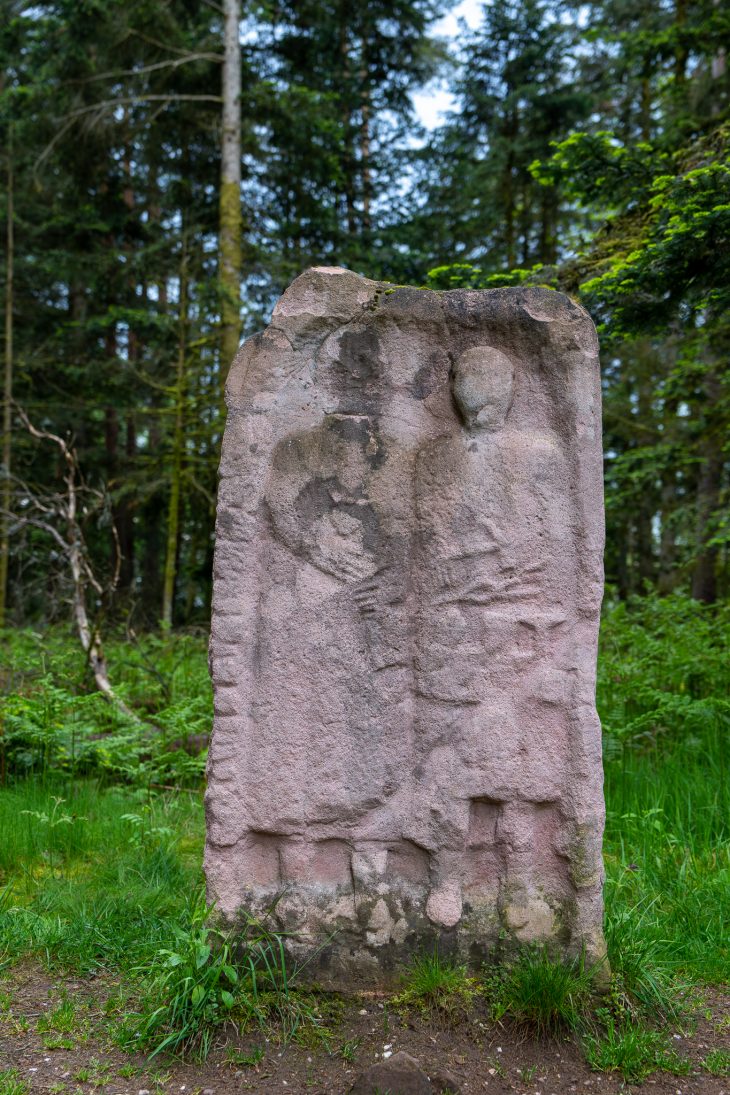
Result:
{"points": [[587, 150]]}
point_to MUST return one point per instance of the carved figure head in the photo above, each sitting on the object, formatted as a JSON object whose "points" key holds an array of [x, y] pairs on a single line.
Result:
{"points": [[483, 385]]}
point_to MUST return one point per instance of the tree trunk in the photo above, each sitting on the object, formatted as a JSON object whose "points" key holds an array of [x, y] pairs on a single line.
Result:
{"points": [[667, 505], [719, 65], [667, 542], [230, 195], [365, 164], [346, 121], [548, 250], [509, 217], [7, 395], [680, 49], [173, 511], [74, 548], [366, 173], [709, 486], [125, 510], [645, 107], [645, 503], [509, 194]]}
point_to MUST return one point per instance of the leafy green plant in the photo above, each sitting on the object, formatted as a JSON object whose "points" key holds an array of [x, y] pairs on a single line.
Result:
{"points": [[60, 1022], [643, 981], [110, 910], [129, 1071], [436, 984], [50, 822], [190, 991], [143, 832], [210, 979], [53, 725], [547, 995], [349, 1048]]}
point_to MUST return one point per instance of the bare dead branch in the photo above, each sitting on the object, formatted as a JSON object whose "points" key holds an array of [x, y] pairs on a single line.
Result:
{"points": [[188, 58], [102, 107], [64, 508]]}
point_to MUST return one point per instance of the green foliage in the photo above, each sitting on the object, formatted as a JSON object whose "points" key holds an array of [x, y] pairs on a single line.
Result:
{"points": [[11, 1083], [597, 169], [53, 724], [539, 992], [644, 980], [717, 1063], [463, 275], [208, 979], [437, 984], [115, 903], [664, 676], [633, 1050], [61, 1019], [237, 1059], [679, 260], [662, 696]]}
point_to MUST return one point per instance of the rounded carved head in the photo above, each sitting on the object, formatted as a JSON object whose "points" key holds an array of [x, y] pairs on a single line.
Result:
{"points": [[483, 382]]}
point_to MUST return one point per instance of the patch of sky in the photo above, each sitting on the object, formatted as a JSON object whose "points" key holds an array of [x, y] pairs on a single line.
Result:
{"points": [[433, 102]]}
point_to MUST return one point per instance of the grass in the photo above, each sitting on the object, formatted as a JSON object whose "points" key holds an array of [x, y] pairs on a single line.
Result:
{"points": [[633, 1050], [717, 1063], [106, 897], [11, 1083], [211, 979], [549, 997], [100, 865], [437, 984], [664, 679]]}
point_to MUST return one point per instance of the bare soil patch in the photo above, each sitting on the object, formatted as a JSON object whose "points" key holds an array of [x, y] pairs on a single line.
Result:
{"points": [[480, 1055]]}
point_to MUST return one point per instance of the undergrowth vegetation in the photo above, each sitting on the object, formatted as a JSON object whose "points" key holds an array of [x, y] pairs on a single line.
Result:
{"points": [[209, 979], [55, 724], [102, 832]]}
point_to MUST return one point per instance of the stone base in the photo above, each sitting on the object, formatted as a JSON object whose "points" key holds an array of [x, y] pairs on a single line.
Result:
{"points": [[363, 929]]}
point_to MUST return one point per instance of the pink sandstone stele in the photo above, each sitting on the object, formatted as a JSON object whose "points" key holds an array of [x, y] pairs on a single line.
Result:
{"points": [[407, 585]]}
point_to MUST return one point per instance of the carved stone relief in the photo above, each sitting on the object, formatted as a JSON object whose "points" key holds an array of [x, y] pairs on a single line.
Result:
{"points": [[407, 585]]}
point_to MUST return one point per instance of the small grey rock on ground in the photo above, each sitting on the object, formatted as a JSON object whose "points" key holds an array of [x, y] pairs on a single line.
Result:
{"points": [[402, 1075]]}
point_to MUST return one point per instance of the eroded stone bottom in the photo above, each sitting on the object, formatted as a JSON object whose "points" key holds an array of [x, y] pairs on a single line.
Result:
{"points": [[373, 908]]}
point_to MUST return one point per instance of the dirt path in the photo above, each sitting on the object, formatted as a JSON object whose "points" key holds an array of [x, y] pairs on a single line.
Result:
{"points": [[78, 1054]]}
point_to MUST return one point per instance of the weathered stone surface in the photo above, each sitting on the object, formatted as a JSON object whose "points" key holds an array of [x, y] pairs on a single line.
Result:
{"points": [[407, 583], [400, 1075]]}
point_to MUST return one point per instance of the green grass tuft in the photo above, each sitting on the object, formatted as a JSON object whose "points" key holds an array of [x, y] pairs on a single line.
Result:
{"points": [[633, 1050], [548, 996], [644, 980], [717, 1063], [11, 1083], [107, 902], [209, 980], [436, 984]]}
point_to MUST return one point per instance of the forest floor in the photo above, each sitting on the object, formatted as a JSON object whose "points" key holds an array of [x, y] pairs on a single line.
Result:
{"points": [[57, 1036], [101, 888]]}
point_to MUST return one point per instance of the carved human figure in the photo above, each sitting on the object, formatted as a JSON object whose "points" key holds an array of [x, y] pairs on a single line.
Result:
{"points": [[332, 565], [488, 527]]}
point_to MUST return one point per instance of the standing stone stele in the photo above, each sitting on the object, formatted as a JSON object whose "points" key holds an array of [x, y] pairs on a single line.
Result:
{"points": [[407, 584]]}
